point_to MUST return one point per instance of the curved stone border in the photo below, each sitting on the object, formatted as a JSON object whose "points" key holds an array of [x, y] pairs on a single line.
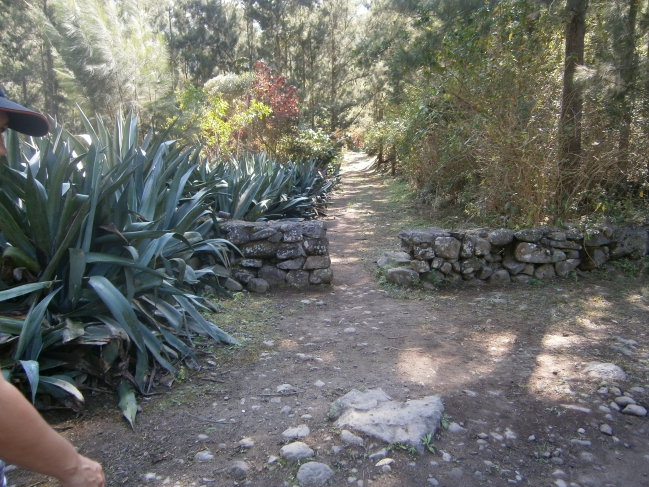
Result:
{"points": [[276, 253], [501, 255]]}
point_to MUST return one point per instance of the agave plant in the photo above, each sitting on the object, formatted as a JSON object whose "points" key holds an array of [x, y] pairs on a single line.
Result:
{"points": [[260, 188], [96, 232]]}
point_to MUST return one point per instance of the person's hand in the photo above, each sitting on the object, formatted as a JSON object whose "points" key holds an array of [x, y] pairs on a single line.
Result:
{"points": [[87, 473]]}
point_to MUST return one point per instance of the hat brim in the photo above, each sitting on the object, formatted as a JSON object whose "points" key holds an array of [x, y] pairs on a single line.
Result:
{"points": [[24, 120]]}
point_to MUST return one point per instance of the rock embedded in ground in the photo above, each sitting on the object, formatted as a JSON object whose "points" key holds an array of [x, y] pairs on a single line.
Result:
{"points": [[623, 401], [587, 457], [360, 401], [635, 410], [455, 428], [246, 443], [456, 473], [605, 371], [379, 455], [497, 436], [296, 451], [300, 431], [387, 420], [510, 435], [606, 429], [238, 469], [350, 438], [285, 388], [204, 456], [314, 474]]}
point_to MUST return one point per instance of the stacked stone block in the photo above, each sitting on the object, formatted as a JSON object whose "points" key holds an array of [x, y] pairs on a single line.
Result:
{"points": [[276, 253], [502, 255]]}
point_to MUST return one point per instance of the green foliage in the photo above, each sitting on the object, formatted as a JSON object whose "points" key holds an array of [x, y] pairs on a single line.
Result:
{"points": [[260, 188], [402, 447], [96, 231], [426, 440], [203, 34], [470, 105], [313, 144], [108, 56]]}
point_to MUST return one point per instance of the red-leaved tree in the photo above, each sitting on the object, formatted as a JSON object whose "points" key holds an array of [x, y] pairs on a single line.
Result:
{"points": [[271, 90]]}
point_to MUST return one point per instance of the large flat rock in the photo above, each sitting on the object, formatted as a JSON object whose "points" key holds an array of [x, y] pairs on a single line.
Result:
{"points": [[374, 414]]}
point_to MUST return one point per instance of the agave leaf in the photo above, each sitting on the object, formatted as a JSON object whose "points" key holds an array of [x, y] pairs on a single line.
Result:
{"points": [[12, 144], [119, 308], [63, 247], [75, 276], [94, 175], [32, 325], [11, 326], [175, 192], [170, 313], [24, 289], [175, 342], [215, 332], [154, 345], [62, 382], [99, 258], [141, 368], [127, 402], [73, 330], [36, 209], [13, 233], [182, 266], [31, 369]]}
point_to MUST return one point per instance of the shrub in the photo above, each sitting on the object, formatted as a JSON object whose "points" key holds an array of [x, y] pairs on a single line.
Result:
{"points": [[96, 233]]}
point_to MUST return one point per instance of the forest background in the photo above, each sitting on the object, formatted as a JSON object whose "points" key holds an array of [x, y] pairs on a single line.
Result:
{"points": [[513, 111]]}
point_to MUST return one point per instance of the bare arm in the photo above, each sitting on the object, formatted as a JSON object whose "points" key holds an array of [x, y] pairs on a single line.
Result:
{"points": [[27, 441]]}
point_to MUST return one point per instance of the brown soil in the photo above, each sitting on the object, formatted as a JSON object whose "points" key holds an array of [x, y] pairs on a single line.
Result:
{"points": [[500, 358]]}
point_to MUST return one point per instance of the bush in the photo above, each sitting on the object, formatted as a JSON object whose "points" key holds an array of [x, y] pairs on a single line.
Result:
{"points": [[261, 188], [312, 144]]}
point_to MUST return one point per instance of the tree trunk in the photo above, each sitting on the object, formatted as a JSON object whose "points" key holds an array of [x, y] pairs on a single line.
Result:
{"points": [[571, 100], [50, 87], [334, 59], [628, 71]]}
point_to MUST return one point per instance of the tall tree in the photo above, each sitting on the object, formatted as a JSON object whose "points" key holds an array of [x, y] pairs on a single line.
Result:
{"points": [[571, 99], [628, 70], [21, 44], [111, 56], [204, 34], [344, 78]]}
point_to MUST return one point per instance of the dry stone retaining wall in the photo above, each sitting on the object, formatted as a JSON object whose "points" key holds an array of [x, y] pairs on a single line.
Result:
{"points": [[501, 255], [276, 253]]}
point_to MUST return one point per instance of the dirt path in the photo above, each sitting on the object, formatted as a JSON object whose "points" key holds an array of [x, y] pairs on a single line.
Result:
{"points": [[507, 362]]}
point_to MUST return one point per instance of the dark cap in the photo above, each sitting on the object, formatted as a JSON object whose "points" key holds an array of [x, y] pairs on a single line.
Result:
{"points": [[23, 119]]}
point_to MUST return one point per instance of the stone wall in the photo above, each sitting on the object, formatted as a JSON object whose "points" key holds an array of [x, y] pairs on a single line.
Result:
{"points": [[276, 253], [499, 255]]}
